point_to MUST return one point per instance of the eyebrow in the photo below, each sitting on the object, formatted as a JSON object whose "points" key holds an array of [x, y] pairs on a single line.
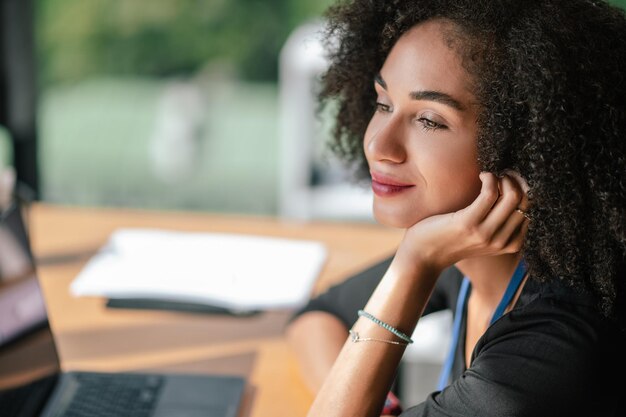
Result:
{"points": [[378, 79], [428, 95]]}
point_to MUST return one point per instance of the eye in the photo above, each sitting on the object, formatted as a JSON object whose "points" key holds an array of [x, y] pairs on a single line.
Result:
{"points": [[381, 107], [428, 124]]}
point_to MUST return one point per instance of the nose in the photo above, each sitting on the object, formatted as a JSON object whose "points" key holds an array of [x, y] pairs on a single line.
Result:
{"points": [[384, 140]]}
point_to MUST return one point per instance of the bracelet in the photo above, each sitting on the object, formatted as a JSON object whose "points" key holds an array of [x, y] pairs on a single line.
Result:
{"points": [[363, 313], [354, 336]]}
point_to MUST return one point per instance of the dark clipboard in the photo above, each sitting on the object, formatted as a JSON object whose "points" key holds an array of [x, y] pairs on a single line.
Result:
{"points": [[179, 306]]}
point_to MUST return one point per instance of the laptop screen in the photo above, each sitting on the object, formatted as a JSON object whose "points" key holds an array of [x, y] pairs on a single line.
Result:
{"points": [[27, 350]]}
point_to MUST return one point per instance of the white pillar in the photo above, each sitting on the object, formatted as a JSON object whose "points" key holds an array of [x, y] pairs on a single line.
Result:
{"points": [[302, 61]]}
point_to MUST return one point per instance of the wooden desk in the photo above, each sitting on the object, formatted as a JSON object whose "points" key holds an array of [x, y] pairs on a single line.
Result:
{"points": [[92, 337]]}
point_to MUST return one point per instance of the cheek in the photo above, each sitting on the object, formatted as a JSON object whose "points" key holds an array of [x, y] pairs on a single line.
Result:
{"points": [[453, 180], [461, 190]]}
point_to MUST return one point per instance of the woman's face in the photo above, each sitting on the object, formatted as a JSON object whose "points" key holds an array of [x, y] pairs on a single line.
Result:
{"points": [[421, 142]]}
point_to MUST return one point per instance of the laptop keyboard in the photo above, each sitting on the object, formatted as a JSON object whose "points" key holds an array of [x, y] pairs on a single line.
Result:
{"points": [[117, 395]]}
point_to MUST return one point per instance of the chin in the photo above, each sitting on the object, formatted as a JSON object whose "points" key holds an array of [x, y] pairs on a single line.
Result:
{"points": [[399, 219]]}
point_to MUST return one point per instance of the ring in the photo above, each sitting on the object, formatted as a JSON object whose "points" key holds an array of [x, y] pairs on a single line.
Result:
{"points": [[523, 213]]}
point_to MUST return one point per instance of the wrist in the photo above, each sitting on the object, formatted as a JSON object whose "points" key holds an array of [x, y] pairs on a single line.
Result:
{"points": [[402, 293], [418, 261]]}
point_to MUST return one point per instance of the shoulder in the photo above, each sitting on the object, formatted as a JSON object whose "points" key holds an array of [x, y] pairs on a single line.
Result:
{"points": [[556, 319], [555, 349], [552, 355]]}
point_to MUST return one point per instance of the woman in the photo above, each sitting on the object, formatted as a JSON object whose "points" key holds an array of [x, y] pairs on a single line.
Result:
{"points": [[493, 132]]}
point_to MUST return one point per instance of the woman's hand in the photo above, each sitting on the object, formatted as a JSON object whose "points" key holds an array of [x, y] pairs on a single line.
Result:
{"points": [[363, 372], [491, 225]]}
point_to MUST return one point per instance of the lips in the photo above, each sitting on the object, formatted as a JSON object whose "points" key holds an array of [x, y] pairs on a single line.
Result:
{"points": [[385, 186]]}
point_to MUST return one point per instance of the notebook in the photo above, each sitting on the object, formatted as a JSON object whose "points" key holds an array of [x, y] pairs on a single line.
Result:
{"points": [[33, 384], [235, 272]]}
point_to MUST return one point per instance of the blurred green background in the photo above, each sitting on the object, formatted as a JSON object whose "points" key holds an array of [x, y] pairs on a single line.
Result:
{"points": [[162, 38], [117, 76]]}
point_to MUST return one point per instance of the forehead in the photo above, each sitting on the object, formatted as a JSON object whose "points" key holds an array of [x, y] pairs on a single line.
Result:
{"points": [[423, 59]]}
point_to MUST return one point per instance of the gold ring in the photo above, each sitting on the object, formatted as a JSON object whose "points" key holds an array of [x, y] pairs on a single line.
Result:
{"points": [[523, 213]]}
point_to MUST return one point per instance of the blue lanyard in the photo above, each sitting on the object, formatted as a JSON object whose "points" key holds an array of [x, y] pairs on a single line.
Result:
{"points": [[511, 289]]}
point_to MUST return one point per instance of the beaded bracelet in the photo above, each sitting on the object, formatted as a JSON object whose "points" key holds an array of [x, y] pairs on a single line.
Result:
{"points": [[363, 313]]}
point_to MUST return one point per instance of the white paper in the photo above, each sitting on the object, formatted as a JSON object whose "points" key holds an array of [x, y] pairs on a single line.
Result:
{"points": [[225, 270]]}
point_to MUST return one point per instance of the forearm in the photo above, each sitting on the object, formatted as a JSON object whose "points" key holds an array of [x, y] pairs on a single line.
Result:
{"points": [[316, 338], [363, 373]]}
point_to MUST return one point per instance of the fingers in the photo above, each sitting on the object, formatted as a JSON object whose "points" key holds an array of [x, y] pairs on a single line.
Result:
{"points": [[504, 210], [517, 238], [493, 192], [510, 237], [494, 217], [521, 182], [481, 206]]}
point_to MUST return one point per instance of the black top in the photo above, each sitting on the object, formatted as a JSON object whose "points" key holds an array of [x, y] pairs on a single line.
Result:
{"points": [[553, 354]]}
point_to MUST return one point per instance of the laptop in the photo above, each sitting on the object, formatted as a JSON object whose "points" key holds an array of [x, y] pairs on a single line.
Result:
{"points": [[33, 384]]}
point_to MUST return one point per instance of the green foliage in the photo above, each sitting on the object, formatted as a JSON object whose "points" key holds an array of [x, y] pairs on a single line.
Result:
{"points": [[77, 38], [621, 3]]}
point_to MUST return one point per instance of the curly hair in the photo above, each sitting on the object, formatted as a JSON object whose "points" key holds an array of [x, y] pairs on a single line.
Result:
{"points": [[550, 78]]}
